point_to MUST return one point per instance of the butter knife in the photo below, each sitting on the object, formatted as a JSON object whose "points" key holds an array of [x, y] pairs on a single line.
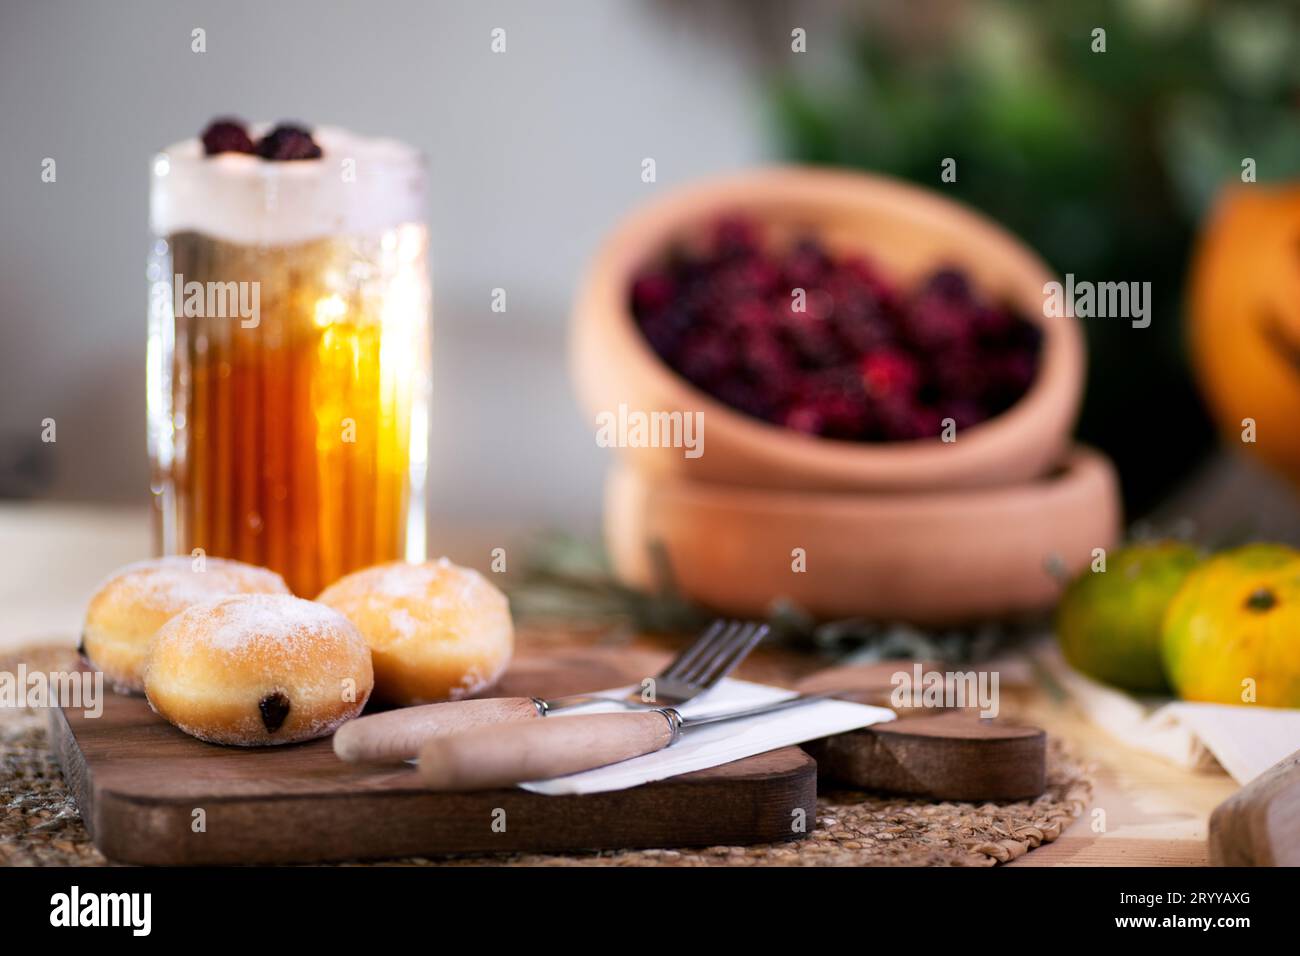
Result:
{"points": [[509, 754]]}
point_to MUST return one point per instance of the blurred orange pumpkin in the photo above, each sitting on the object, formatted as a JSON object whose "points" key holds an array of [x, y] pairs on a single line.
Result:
{"points": [[1245, 319]]}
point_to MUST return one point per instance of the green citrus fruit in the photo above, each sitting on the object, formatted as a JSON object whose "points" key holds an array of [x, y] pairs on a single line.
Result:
{"points": [[1108, 622], [1232, 633]]}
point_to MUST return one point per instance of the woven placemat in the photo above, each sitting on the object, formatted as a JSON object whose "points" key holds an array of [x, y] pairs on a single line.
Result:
{"points": [[40, 825]]}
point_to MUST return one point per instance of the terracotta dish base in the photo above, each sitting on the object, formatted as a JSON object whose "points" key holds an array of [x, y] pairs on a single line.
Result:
{"points": [[926, 558]]}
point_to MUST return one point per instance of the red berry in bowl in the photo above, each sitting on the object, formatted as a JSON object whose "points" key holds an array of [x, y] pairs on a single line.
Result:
{"points": [[827, 344], [949, 283], [747, 397], [905, 419], [761, 276], [706, 358], [735, 236], [806, 264], [813, 342], [936, 323], [862, 335], [804, 417], [963, 412], [764, 358], [889, 374], [1011, 374], [960, 373], [993, 324], [652, 292], [755, 315], [839, 401]]}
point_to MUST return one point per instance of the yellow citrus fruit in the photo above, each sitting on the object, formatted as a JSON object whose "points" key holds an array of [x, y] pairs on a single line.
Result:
{"points": [[1232, 633], [1108, 622]]}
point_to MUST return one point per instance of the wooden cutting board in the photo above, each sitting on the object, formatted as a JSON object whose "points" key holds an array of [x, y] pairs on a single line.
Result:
{"points": [[943, 755], [151, 794], [949, 756]]}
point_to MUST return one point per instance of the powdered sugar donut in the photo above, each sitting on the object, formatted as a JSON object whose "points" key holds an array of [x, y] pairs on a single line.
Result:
{"points": [[258, 669], [436, 631], [138, 599]]}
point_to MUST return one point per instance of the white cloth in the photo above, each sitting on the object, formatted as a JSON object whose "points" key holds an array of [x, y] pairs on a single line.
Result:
{"points": [[1244, 740], [710, 746]]}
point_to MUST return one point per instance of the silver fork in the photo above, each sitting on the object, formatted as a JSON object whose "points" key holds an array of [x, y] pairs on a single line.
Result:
{"points": [[713, 655], [398, 735]]}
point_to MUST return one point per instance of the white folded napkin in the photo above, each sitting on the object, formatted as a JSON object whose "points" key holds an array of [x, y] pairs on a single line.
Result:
{"points": [[1244, 740], [709, 746]]}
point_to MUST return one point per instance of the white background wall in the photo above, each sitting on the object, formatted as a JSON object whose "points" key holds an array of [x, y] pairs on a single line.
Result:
{"points": [[534, 155]]}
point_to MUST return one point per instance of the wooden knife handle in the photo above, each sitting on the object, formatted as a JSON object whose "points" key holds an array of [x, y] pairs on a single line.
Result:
{"points": [[502, 756], [398, 735], [1259, 825]]}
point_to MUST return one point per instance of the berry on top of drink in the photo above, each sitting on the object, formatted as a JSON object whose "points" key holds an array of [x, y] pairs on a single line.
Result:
{"points": [[226, 135], [824, 343], [287, 141]]}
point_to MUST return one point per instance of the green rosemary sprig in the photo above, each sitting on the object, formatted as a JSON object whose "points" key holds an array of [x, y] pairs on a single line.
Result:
{"points": [[568, 579]]}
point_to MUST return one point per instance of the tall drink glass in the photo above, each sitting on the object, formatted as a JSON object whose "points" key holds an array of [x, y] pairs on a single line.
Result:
{"points": [[288, 356]]}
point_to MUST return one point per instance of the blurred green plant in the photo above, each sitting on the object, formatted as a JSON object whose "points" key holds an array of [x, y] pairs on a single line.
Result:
{"points": [[568, 581], [1103, 161]]}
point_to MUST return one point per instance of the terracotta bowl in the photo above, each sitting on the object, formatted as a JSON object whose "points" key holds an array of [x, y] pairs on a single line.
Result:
{"points": [[926, 558], [910, 232]]}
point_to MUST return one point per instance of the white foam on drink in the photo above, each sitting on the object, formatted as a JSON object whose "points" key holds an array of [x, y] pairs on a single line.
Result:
{"points": [[360, 186]]}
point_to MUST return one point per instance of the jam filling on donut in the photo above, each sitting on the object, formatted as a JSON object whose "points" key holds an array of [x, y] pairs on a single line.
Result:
{"points": [[274, 708]]}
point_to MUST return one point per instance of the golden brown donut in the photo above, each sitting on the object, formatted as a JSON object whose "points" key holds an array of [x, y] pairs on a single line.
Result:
{"points": [[138, 599], [258, 669], [436, 631]]}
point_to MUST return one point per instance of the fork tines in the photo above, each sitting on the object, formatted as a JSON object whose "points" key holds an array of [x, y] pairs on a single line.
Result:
{"points": [[716, 653]]}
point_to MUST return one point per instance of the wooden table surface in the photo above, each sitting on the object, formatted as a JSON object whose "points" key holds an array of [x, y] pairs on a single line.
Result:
{"points": [[1152, 813]]}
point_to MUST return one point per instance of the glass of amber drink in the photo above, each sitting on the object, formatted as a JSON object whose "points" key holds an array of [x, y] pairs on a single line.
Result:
{"points": [[288, 353]]}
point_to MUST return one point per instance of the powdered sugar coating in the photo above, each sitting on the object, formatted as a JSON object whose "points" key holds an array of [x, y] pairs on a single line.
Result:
{"points": [[212, 668], [176, 582], [438, 583], [280, 623], [436, 631], [403, 622], [136, 600]]}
